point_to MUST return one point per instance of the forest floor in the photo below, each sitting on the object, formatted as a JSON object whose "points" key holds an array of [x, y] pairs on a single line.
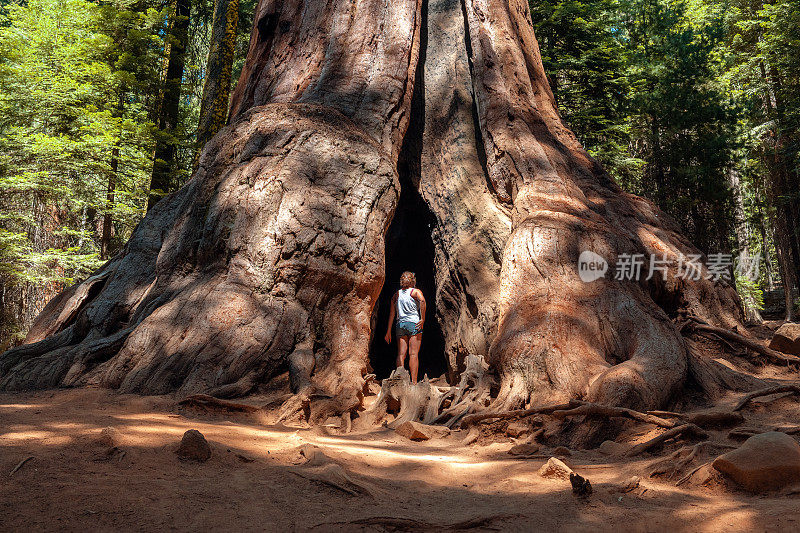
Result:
{"points": [[256, 479]]}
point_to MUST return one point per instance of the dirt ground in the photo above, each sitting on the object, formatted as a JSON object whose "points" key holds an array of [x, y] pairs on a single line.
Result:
{"points": [[256, 479]]}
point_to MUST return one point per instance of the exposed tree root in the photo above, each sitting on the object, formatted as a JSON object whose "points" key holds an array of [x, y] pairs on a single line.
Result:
{"points": [[773, 355], [794, 389], [678, 460], [689, 430], [571, 409], [20, 465], [666, 414], [425, 402], [688, 476], [323, 469], [715, 419], [335, 476], [206, 401], [716, 375], [594, 410], [518, 413]]}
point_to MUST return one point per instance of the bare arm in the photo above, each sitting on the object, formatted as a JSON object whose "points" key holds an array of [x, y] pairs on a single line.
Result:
{"points": [[417, 294], [392, 310]]}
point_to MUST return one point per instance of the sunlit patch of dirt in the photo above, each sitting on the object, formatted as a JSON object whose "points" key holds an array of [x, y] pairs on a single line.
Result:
{"points": [[256, 478]]}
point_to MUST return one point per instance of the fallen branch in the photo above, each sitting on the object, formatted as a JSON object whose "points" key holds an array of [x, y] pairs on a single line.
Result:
{"points": [[596, 410], [772, 355], [667, 465], [690, 429], [691, 456], [519, 413], [204, 400], [666, 414], [688, 476], [794, 389], [20, 464]]}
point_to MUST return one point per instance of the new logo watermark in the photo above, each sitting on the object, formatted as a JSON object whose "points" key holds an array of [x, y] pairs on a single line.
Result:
{"points": [[591, 266], [632, 267]]}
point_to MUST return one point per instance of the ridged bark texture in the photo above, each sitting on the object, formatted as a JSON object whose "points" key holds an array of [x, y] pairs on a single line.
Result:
{"points": [[272, 256]]}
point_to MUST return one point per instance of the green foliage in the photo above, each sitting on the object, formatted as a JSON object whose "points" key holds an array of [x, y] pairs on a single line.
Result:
{"points": [[680, 100], [637, 81], [683, 123], [751, 293], [587, 69], [75, 79], [81, 87]]}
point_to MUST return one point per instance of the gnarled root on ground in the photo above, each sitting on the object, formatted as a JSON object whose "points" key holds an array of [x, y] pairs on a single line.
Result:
{"points": [[777, 389], [321, 468], [427, 403]]}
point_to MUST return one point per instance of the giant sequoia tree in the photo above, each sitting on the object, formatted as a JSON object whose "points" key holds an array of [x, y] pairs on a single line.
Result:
{"points": [[272, 256]]}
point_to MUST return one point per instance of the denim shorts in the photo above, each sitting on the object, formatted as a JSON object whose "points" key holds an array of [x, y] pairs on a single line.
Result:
{"points": [[404, 329]]}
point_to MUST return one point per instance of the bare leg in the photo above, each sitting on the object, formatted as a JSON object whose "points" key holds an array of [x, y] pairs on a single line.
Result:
{"points": [[402, 348], [414, 343]]}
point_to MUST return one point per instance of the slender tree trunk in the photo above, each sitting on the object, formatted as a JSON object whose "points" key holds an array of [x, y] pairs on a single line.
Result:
{"points": [[167, 136], [217, 86], [783, 221], [763, 222], [752, 313], [108, 219]]}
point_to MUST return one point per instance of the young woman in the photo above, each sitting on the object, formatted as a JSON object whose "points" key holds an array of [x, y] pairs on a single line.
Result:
{"points": [[408, 305]]}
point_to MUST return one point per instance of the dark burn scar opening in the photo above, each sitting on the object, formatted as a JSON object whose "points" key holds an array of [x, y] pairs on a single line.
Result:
{"points": [[409, 242]]}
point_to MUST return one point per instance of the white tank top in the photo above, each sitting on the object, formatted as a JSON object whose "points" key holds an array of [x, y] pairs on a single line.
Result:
{"points": [[407, 308]]}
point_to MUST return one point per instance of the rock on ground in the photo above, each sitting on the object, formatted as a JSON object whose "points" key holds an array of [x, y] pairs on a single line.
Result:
{"points": [[763, 462], [787, 339], [562, 451], [517, 429], [194, 447], [418, 431], [108, 437], [555, 469], [524, 449]]}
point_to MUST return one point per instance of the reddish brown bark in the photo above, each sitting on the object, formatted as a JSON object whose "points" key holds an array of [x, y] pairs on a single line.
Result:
{"points": [[272, 256]]}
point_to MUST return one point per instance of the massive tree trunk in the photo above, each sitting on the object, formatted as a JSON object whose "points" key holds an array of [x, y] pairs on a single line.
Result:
{"points": [[272, 256]]}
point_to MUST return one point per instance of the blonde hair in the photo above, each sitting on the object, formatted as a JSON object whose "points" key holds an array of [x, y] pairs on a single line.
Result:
{"points": [[408, 279]]}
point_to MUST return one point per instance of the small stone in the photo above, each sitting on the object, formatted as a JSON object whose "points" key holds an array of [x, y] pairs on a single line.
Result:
{"points": [[517, 429], [108, 438], [555, 469], [630, 485], [787, 339], [194, 447], [763, 462], [524, 449], [562, 451], [417, 431]]}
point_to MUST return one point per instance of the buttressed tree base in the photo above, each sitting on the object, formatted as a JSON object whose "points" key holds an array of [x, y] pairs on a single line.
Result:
{"points": [[272, 255]]}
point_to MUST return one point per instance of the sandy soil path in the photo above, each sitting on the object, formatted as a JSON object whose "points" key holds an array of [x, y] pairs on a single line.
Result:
{"points": [[254, 481]]}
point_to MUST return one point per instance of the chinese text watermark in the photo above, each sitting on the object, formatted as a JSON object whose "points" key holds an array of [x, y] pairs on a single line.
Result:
{"points": [[633, 267]]}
